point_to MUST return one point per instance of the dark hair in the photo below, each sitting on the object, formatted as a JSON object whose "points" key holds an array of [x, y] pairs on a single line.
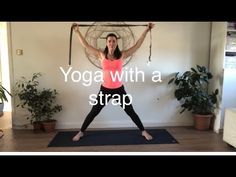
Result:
{"points": [[117, 52]]}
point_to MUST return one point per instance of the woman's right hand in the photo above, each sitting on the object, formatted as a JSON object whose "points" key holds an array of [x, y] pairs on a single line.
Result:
{"points": [[75, 26]]}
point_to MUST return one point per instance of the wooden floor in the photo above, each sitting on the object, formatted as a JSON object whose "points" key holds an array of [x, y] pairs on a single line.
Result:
{"points": [[190, 140]]}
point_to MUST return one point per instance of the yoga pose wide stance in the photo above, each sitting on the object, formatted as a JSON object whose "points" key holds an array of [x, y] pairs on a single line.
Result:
{"points": [[111, 61]]}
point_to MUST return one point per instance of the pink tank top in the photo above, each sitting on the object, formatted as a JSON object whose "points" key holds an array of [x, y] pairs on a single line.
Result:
{"points": [[112, 71]]}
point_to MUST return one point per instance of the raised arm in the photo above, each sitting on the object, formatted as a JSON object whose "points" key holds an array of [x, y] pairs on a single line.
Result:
{"points": [[97, 53], [133, 49]]}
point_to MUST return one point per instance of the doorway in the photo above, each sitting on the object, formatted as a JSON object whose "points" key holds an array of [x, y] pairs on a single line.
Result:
{"points": [[6, 119]]}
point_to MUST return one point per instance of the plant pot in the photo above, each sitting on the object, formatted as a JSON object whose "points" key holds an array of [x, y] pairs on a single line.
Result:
{"points": [[1, 109], [38, 127], [202, 122], [49, 126], [212, 123]]}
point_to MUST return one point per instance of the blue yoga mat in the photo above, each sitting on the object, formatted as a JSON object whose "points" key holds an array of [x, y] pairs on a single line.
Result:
{"points": [[111, 137]]}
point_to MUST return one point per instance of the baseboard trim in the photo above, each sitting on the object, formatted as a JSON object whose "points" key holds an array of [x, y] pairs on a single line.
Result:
{"points": [[119, 125]]}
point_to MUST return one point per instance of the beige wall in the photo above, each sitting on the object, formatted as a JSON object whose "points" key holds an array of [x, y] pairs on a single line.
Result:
{"points": [[176, 46]]}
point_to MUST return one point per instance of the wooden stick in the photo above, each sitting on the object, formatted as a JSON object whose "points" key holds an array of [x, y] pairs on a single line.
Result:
{"points": [[112, 25]]}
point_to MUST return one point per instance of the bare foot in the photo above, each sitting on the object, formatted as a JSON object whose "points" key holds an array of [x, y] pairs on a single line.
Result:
{"points": [[146, 135], [78, 136]]}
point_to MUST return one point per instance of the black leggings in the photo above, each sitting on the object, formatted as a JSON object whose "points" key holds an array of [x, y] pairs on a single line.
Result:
{"points": [[98, 107]]}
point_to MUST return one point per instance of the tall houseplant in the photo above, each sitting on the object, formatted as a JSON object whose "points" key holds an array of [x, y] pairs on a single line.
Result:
{"points": [[41, 104], [191, 91]]}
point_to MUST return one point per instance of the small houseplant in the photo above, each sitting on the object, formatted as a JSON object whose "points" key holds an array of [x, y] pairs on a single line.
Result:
{"points": [[40, 103], [3, 97], [191, 91]]}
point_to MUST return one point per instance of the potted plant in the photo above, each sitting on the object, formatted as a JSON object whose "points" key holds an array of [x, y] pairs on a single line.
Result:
{"points": [[40, 103], [3, 97], [191, 91]]}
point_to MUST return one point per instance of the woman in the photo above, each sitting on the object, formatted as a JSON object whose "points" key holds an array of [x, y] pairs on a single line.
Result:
{"points": [[111, 61]]}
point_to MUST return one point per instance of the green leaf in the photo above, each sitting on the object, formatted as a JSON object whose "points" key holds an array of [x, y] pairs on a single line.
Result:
{"points": [[171, 80], [199, 68], [187, 73], [182, 111], [176, 74], [193, 70], [203, 69], [209, 75]]}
